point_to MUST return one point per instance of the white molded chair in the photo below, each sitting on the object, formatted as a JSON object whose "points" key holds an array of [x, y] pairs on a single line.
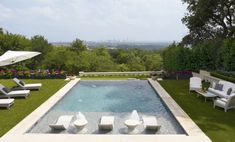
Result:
{"points": [[106, 123], [21, 84], [133, 121], [62, 122], [150, 123], [6, 103], [195, 83], [225, 103], [6, 93], [81, 121]]}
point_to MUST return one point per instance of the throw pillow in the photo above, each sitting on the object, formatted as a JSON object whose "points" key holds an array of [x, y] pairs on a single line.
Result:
{"points": [[213, 85], [229, 91], [219, 87]]}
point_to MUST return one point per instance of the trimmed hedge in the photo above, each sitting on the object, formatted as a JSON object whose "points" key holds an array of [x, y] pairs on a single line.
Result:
{"points": [[225, 76]]}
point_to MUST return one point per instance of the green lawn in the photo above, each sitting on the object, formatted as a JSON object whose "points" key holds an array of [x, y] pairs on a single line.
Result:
{"points": [[217, 124], [23, 107]]}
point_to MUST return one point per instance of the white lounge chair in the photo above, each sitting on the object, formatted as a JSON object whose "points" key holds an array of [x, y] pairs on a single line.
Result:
{"points": [[195, 83], [6, 103], [62, 122], [22, 85], [6, 93], [133, 121], [150, 123], [106, 123], [80, 121], [225, 103]]}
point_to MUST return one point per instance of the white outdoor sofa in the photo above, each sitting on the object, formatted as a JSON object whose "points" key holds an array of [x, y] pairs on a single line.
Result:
{"points": [[22, 85], [6, 103], [62, 122], [195, 83], [6, 93], [150, 123], [225, 103], [223, 93], [106, 123]]}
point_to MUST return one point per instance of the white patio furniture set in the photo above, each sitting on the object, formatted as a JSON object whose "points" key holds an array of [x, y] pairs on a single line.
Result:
{"points": [[105, 123], [222, 92], [23, 90]]}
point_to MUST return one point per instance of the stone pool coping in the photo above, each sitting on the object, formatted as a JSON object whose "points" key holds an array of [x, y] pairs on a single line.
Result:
{"points": [[18, 133], [185, 121]]}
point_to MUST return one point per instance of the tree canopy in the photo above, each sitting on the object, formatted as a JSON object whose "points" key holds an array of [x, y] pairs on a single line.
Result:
{"points": [[76, 57], [209, 19]]}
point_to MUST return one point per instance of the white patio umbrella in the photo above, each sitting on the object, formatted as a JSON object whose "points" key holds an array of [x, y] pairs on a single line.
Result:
{"points": [[11, 57]]}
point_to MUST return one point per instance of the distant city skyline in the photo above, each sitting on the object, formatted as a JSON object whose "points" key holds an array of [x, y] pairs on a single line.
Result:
{"points": [[95, 20]]}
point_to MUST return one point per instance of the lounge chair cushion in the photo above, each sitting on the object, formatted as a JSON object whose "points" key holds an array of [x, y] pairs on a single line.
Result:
{"points": [[33, 85], [7, 90], [18, 92], [22, 83], [6, 101]]}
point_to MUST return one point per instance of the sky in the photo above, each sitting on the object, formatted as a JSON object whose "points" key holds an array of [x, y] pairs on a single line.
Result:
{"points": [[95, 20]]}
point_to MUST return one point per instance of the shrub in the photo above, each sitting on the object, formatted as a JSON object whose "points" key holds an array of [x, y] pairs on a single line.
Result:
{"points": [[225, 76], [32, 74]]}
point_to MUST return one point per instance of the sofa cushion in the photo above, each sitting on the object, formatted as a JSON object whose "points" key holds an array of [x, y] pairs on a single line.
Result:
{"points": [[219, 87], [227, 85], [218, 93]]}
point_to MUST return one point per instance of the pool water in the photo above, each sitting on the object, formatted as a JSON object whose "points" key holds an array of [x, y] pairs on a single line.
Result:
{"points": [[117, 98], [111, 96]]}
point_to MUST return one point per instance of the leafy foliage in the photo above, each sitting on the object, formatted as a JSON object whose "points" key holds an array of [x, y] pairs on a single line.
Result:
{"points": [[77, 57], [208, 55], [209, 19]]}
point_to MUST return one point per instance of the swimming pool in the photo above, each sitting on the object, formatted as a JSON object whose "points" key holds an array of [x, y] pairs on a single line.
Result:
{"points": [[118, 98]]}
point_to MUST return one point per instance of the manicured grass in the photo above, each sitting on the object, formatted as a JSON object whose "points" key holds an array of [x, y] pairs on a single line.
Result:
{"points": [[217, 124], [23, 107]]}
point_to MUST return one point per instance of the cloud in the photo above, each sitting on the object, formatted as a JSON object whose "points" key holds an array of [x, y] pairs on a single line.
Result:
{"points": [[64, 20], [5, 12]]}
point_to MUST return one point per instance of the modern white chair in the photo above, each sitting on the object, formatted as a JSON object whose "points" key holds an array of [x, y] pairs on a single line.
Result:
{"points": [[6, 103], [22, 85], [62, 122], [225, 103], [6, 93], [150, 123], [133, 122], [80, 121], [106, 123], [195, 83]]}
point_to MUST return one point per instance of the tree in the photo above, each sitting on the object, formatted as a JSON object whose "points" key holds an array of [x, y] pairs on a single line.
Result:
{"points": [[227, 55], [209, 19], [1, 31], [78, 45], [153, 62], [40, 44]]}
